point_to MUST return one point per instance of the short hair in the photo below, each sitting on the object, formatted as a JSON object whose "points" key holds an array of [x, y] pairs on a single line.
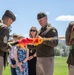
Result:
{"points": [[20, 37], [15, 36]]}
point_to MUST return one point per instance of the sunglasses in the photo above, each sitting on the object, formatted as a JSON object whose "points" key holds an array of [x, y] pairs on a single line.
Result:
{"points": [[33, 30]]}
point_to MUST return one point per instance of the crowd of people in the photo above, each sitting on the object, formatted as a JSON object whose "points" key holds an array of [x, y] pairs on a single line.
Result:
{"points": [[33, 60]]}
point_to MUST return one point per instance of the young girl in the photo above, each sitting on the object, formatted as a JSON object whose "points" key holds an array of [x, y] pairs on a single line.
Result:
{"points": [[21, 57]]}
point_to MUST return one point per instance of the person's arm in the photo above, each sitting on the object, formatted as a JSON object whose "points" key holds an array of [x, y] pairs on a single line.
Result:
{"points": [[10, 63], [34, 55], [52, 43], [9, 60], [16, 59], [15, 54], [27, 56]]}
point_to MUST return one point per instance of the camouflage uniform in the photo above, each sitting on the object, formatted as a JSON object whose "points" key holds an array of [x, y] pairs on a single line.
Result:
{"points": [[70, 60], [4, 36], [70, 42], [45, 51]]}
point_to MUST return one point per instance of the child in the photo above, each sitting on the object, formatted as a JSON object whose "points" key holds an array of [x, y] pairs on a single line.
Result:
{"points": [[11, 59], [21, 57]]}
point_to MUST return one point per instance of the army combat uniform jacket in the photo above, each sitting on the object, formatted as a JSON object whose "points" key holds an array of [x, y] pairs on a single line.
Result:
{"points": [[46, 49], [70, 60], [4, 36]]}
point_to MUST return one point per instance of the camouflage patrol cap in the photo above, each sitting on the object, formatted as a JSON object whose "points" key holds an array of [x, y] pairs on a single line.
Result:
{"points": [[9, 14], [41, 15]]}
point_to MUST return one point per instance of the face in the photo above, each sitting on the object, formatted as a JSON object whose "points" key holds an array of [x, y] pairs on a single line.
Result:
{"points": [[33, 31], [43, 21], [15, 39], [8, 21]]}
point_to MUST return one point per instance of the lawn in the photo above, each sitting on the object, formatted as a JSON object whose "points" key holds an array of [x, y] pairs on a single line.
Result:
{"points": [[59, 69], [60, 66]]}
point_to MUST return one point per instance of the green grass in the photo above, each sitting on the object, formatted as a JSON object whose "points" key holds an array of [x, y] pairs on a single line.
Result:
{"points": [[6, 71], [60, 67]]}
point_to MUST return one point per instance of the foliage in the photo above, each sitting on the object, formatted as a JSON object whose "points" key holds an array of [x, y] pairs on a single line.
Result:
{"points": [[56, 52], [62, 49]]}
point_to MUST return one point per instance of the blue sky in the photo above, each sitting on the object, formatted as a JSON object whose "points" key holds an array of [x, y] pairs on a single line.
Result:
{"points": [[60, 13]]}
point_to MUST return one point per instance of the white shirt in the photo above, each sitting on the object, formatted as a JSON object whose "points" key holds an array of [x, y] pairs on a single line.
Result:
{"points": [[11, 54]]}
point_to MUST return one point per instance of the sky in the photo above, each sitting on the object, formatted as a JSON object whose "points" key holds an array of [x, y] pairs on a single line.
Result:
{"points": [[59, 12]]}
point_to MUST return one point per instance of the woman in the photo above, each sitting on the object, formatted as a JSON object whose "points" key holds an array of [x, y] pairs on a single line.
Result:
{"points": [[32, 53], [21, 57]]}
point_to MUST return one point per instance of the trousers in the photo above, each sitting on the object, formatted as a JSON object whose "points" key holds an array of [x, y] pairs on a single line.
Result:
{"points": [[71, 70], [45, 65], [1, 64], [13, 70]]}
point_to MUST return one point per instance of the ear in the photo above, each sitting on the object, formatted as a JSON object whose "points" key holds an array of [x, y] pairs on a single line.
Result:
{"points": [[7, 18]]}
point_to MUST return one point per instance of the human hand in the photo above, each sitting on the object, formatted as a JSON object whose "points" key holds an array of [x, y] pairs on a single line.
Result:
{"points": [[21, 69], [13, 66], [31, 57], [9, 46], [19, 64]]}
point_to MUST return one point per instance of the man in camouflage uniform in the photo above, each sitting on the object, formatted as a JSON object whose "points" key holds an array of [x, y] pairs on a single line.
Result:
{"points": [[70, 42], [7, 19], [45, 51]]}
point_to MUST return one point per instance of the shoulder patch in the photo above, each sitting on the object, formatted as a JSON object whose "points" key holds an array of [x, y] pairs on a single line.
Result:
{"points": [[5, 28], [54, 30], [5, 39]]}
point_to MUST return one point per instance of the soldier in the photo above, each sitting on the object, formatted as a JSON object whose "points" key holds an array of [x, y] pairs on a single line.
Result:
{"points": [[45, 51], [70, 42], [7, 19]]}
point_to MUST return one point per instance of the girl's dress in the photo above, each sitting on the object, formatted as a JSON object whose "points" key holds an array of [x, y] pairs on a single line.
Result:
{"points": [[21, 54]]}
